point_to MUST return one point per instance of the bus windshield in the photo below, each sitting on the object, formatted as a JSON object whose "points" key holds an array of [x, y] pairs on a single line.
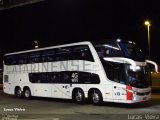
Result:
{"points": [[132, 51], [120, 49], [121, 72], [140, 78]]}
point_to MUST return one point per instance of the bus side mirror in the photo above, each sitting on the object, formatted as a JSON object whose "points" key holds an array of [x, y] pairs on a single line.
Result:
{"points": [[154, 64]]}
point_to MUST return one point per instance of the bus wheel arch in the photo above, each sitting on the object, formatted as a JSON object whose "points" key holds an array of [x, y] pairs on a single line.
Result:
{"points": [[27, 92], [18, 92], [95, 96], [78, 95]]}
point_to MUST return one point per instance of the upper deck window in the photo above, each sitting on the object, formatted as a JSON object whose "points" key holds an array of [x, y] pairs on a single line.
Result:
{"points": [[108, 50], [126, 49], [132, 51], [82, 53], [77, 52]]}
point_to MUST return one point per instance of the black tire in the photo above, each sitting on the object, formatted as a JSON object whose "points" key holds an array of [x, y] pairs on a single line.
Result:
{"points": [[78, 96], [96, 97], [27, 93], [18, 92]]}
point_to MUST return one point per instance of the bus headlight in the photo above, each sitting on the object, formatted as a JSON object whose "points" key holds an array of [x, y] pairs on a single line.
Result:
{"points": [[134, 99], [137, 67]]}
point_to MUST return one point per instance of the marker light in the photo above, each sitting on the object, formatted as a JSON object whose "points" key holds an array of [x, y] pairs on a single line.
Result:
{"points": [[137, 67], [130, 41], [134, 99], [118, 40]]}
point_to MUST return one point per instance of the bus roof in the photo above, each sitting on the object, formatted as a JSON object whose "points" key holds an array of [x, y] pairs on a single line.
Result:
{"points": [[46, 48], [109, 41]]}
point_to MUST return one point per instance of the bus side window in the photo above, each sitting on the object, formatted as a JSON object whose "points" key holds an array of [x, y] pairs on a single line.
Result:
{"points": [[65, 77], [64, 53], [43, 78], [34, 57], [115, 71], [34, 77], [11, 60], [23, 58], [115, 51], [112, 50], [82, 53], [7, 60], [48, 56], [14, 60], [55, 77]]}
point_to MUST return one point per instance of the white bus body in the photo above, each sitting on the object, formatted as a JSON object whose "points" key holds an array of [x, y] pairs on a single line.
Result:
{"points": [[62, 72]]}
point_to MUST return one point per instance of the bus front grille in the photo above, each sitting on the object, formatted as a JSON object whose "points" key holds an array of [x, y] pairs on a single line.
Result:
{"points": [[142, 94]]}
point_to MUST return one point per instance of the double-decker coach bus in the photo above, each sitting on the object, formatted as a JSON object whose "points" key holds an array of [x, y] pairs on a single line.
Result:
{"points": [[107, 71]]}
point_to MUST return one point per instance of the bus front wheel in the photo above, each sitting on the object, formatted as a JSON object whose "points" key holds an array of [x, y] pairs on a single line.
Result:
{"points": [[27, 93], [96, 97]]}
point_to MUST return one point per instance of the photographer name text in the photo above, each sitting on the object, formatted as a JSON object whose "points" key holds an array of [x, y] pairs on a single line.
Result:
{"points": [[14, 109], [144, 117]]}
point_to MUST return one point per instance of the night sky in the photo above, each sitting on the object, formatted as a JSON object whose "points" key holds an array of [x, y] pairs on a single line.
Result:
{"points": [[64, 21]]}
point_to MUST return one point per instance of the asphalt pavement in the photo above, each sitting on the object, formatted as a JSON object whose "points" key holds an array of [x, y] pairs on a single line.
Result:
{"points": [[12, 108]]}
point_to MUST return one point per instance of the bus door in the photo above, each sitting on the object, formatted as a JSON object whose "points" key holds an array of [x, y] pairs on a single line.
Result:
{"points": [[66, 84], [118, 75], [116, 72], [62, 84]]}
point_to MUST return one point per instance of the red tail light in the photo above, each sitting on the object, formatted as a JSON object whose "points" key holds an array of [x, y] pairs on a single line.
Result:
{"points": [[129, 92]]}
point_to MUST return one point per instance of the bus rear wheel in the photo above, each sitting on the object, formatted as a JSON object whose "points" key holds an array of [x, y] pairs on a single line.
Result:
{"points": [[79, 96], [96, 97], [18, 92], [27, 93]]}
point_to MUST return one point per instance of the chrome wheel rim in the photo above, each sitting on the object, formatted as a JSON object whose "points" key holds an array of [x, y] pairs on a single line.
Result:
{"points": [[19, 92], [95, 97], [79, 97], [27, 93]]}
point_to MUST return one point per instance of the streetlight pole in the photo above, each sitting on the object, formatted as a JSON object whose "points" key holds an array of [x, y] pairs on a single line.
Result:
{"points": [[148, 24]]}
